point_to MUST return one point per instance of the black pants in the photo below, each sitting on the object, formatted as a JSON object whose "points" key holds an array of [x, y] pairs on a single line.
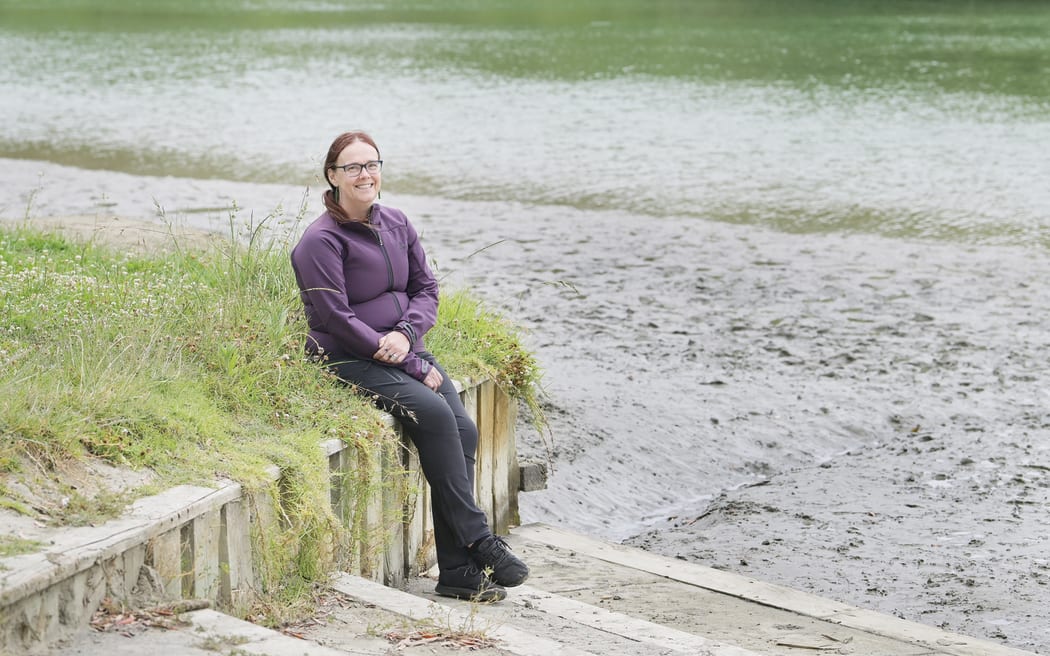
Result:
{"points": [[446, 440]]}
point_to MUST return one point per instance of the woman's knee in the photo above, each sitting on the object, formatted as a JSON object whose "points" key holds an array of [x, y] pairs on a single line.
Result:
{"points": [[428, 410], [468, 435]]}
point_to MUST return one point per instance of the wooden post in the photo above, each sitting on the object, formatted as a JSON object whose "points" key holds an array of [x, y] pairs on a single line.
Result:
{"points": [[262, 520], [165, 554], [469, 397], [393, 515], [486, 449], [205, 531], [335, 483], [505, 463], [235, 557], [417, 517], [133, 559], [369, 525]]}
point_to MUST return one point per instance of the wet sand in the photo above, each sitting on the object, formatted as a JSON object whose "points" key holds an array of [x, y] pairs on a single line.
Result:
{"points": [[862, 418], [858, 417]]}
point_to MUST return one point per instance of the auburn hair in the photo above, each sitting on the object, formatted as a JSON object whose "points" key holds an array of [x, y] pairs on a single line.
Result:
{"points": [[331, 201]]}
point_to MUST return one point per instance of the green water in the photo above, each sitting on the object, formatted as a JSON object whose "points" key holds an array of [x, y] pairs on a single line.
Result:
{"points": [[988, 47], [903, 118]]}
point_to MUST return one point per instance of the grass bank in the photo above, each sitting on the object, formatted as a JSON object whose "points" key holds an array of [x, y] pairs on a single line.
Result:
{"points": [[187, 364]]}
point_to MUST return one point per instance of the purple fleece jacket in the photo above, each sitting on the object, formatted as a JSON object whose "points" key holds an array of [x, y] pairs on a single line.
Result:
{"points": [[359, 283]]}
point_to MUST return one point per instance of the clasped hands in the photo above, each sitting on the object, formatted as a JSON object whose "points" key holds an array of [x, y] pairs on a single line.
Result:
{"points": [[394, 348]]}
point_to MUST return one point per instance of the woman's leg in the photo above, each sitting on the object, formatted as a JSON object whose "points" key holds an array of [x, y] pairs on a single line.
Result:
{"points": [[490, 553], [446, 440], [449, 548]]}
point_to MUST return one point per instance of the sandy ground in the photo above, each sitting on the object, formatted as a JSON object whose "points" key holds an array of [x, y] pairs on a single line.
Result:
{"points": [[863, 418]]}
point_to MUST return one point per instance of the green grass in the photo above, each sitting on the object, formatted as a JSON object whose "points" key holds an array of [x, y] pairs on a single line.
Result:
{"points": [[473, 341], [190, 364], [12, 546]]}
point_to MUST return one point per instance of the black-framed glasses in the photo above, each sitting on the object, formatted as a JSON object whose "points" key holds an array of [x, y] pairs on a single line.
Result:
{"points": [[354, 170]]}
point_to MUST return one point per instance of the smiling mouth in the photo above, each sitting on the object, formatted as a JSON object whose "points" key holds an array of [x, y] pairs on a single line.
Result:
{"points": [[365, 186]]}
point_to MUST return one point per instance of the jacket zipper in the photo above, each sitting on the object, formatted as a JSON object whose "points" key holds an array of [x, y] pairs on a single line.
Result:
{"points": [[389, 272]]}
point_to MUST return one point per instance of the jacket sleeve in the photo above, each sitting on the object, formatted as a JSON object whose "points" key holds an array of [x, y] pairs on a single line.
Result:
{"points": [[422, 289], [319, 265], [415, 366]]}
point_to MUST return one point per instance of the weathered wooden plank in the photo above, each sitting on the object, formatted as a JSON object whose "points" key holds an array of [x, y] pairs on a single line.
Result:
{"points": [[469, 397], [48, 619], [768, 594], [211, 627], [166, 557], [78, 549], [262, 521], [393, 525], [236, 564], [704, 577], [332, 446], [661, 639], [504, 463], [71, 551], [335, 482], [350, 511], [486, 450], [26, 621], [426, 556], [513, 640], [342, 466], [205, 539], [368, 526], [133, 560], [415, 509], [532, 476]]}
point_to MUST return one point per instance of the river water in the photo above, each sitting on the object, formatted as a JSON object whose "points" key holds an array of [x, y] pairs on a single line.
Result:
{"points": [[760, 250], [901, 118]]}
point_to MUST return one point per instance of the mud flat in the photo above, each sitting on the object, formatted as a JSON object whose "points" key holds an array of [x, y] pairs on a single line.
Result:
{"points": [[859, 417]]}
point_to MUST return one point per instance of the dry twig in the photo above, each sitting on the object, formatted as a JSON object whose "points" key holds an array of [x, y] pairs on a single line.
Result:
{"points": [[462, 640], [114, 617]]}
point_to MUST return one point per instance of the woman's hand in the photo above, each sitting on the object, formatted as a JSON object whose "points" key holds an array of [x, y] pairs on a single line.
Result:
{"points": [[433, 379], [393, 347]]}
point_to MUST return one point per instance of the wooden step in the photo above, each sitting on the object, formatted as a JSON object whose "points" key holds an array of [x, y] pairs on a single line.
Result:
{"points": [[584, 597], [721, 605]]}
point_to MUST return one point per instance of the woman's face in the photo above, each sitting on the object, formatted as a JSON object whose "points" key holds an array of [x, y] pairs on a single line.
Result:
{"points": [[362, 188]]}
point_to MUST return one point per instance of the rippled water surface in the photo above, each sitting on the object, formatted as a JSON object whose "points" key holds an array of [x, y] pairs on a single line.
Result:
{"points": [[901, 118]]}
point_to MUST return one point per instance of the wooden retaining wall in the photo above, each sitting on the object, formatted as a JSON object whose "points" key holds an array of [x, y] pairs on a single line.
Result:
{"points": [[198, 540]]}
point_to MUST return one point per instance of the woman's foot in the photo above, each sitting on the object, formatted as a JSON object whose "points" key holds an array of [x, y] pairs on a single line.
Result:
{"points": [[493, 554], [469, 582]]}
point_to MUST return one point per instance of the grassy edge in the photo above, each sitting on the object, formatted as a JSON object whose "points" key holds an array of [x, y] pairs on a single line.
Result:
{"points": [[244, 377]]}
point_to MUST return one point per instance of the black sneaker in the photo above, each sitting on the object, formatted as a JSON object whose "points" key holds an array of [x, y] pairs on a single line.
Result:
{"points": [[469, 582], [493, 554]]}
